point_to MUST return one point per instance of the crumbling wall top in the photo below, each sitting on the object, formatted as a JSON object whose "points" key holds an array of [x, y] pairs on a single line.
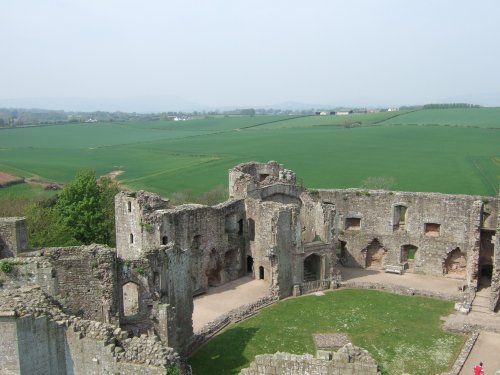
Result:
{"points": [[13, 236], [247, 177]]}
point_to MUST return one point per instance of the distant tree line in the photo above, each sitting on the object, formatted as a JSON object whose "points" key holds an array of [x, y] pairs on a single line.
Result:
{"points": [[439, 106], [16, 117], [450, 105]]}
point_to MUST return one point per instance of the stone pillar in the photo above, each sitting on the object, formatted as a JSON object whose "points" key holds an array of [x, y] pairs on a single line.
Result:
{"points": [[13, 236]]}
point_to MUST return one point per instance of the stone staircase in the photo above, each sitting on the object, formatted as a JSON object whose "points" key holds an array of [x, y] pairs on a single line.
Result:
{"points": [[481, 302], [309, 276]]}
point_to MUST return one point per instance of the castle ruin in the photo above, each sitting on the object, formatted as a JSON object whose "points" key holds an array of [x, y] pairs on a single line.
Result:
{"points": [[272, 228]]}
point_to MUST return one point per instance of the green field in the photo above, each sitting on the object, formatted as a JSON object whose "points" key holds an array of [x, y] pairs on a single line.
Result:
{"points": [[447, 150], [403, 333]]}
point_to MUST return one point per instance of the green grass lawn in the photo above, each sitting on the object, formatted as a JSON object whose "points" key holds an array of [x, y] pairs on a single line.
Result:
{"points": [[403, 333], [449, 151]]}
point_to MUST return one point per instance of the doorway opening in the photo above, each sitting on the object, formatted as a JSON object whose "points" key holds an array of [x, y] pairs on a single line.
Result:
{"points": [[261, 273]]}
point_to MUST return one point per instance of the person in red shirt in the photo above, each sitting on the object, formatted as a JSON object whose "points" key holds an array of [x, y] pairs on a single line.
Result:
{"points": [[478, 369]]}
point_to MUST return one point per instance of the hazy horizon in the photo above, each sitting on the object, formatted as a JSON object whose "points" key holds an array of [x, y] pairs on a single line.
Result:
{"points": [[179, 55]]}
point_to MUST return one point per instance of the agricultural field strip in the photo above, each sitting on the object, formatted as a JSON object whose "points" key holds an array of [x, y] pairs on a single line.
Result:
{"points": [[221, 138], [482, 174], [15, 170], [169, 170]]}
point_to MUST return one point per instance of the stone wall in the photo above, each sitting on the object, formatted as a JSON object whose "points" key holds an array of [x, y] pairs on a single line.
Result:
{"points": [[248, 177], [13, 236], [348, 360], [9, 360], [86, 280], [131, 211], [163, 298], [83, 278], [495, 280], [436, 224], [214, 236], [41, 339], [31, 269]]}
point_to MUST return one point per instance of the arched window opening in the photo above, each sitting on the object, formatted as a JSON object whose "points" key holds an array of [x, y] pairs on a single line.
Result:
{"points": [[408, 256], [261, 273], [312, 268], [129, 206], [455, 264], [399, 217], [131, 238], [164, 240]]}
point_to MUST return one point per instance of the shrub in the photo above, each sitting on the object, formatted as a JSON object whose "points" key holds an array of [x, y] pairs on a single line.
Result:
{"points": [[6, 266]]}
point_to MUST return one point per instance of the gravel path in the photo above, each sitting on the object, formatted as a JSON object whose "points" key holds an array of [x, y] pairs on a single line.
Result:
{"points": [[220, 300]]}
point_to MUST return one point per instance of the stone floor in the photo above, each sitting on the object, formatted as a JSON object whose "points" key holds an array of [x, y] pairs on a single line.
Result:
{"points": [[410, 280], [220, 300], [486, 350]]}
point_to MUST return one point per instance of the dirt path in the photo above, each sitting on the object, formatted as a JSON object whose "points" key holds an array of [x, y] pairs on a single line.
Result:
{"points": [[220, 300], [8, 179]]}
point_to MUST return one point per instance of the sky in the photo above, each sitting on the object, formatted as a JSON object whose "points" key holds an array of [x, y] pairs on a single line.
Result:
{"points": [[247, 53]]}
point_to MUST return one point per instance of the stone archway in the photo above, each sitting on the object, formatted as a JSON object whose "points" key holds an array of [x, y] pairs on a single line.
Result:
{"points": [[312, 268], [249, 264], [130, 297], [455, 264], [261, 273], [374, 254]]}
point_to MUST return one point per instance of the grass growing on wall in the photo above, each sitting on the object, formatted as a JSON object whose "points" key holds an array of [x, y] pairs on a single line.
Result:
{"points": [[403, 333]]}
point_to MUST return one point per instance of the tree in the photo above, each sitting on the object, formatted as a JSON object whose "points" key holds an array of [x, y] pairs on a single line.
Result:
{"points": [[108, 189], [44, 228], [87, 209]]}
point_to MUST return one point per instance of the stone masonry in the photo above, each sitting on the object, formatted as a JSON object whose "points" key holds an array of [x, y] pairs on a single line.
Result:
{"points": [[13, 236], [347, 360], [271, 228]]}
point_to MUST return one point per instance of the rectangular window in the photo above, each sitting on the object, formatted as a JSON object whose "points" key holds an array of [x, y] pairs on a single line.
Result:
{"points": [[432, 229], [399, 217], [353, 223]]}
